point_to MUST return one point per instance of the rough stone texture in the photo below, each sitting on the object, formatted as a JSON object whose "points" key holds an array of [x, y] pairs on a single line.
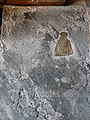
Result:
{"points": [[88, 16], [34, 83]]}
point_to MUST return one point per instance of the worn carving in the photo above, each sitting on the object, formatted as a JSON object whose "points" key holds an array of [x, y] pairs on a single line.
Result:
{"points": [[63, 46]]}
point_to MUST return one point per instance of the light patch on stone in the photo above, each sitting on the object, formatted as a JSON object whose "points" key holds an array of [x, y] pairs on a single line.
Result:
{"points": [[9, 24], [27, 97], [71, 95], [2, 66], [56, 79], [64, 80], [23, 72], [7, 109], [25, 114]]}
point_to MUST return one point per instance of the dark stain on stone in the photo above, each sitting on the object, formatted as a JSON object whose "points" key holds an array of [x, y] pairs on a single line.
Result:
{"points": [[1, 10], [68, 2], [88, 65], [29, 15], [63, 46], [14, 17]]}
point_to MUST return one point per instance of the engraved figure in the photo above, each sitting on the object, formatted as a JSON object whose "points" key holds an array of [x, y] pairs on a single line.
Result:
{"points": [[63, 46]]}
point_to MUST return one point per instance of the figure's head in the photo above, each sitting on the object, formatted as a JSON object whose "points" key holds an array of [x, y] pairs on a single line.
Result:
{"points": [[64, 34]]}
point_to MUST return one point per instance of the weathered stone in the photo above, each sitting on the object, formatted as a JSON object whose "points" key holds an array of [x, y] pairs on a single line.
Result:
{"points": [[35, 84]]}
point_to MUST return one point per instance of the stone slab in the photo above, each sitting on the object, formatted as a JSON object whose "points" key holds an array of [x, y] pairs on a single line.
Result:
{"points": [[34, 83]]}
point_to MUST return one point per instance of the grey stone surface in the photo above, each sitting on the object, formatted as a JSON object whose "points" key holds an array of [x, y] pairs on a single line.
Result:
{"points": [[34, 83]]}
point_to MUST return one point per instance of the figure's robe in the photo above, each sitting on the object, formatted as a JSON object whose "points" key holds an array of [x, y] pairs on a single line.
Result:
{"points": [[63, 47]]}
